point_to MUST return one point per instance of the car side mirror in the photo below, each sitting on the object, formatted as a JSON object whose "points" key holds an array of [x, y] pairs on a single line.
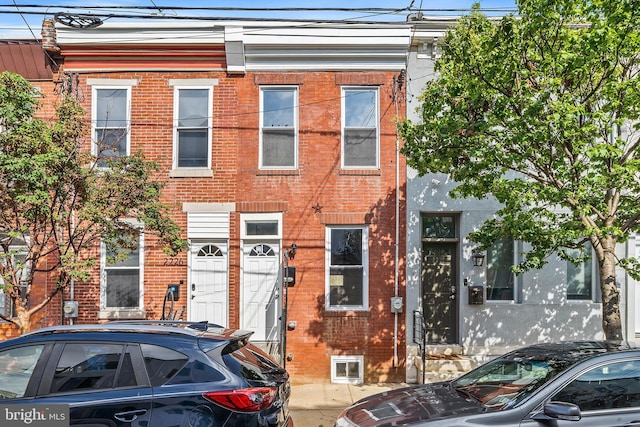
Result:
{"points": [[559, 411]]}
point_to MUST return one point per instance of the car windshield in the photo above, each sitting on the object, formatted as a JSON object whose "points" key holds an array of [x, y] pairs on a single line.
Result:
{"points": [[504, 382]]}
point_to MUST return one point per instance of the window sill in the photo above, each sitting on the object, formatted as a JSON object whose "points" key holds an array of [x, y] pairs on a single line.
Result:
{"points": [[121, 314], [190, 173]]}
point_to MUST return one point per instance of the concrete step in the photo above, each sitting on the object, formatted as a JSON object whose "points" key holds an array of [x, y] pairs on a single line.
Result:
{"points": [[439, 367], [450, 364]]}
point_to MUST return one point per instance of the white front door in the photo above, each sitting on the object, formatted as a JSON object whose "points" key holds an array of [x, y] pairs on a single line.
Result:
{"points": [[260, 307], [208, 291]]}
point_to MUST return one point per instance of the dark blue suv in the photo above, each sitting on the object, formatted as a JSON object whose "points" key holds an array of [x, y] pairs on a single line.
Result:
{"points": [[147, 374]]}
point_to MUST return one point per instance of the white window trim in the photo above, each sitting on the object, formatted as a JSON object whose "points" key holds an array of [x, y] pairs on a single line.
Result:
{"points": [[115, 312], [295, 130], [260, 217], [343, 123], [365, 269], [98, 84], [347, 359], [205, 84]]}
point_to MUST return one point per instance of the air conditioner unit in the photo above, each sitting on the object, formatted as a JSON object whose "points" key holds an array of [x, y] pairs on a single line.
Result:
{"points": [[70, 309]]}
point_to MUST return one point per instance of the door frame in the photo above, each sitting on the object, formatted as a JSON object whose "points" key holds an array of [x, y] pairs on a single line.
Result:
{"points": [[251, 235], [201, 243], [452, 238]]}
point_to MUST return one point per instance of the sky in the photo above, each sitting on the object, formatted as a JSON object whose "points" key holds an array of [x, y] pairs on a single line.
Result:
{"points": [[22, 19]]}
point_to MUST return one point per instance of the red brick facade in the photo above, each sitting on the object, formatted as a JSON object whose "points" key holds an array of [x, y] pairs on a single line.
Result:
{"points": [[317, 194]]}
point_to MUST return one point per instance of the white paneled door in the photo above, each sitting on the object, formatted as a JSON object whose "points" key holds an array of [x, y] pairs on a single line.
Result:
{"points": [[260, 308], [209, 293]]}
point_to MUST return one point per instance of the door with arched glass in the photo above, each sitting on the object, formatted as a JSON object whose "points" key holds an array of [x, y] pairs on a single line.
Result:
{"points": [[260, 286], [208, 291]]}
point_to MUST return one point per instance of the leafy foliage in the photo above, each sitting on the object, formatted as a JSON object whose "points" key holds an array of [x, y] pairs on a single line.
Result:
{"points": [[56, 204], [541, 112]]}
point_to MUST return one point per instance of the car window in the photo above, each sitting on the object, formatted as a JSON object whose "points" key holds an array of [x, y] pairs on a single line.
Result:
{"points": [[612, 386], [162, 363], [505, 382], [252, 364], [93, 366], [16, 368]]}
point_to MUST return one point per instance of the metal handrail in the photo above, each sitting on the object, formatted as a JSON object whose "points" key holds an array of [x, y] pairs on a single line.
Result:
{"points": [[420, 338]]}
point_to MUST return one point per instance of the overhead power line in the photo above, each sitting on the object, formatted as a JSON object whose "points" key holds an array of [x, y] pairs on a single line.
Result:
{"points": [[48, 9], [248, 9]]}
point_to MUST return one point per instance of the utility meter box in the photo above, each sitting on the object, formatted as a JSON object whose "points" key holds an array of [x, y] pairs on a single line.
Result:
{"points": [[70, 309], [396, 304]]}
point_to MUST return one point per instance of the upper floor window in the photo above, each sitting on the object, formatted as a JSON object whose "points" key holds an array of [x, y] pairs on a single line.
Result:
{"points": [[192, 127], [347, 267], [278, 127], [122, 280], [360, 133], [111, 118], [580, 278], [500, 278]]}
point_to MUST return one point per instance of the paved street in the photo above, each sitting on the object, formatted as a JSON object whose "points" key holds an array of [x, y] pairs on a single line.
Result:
{"points": [[318, 405]]}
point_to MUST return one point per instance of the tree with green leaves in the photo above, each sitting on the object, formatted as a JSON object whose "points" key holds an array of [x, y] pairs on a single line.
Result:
{"points": [[541, 111], [57, 203]]}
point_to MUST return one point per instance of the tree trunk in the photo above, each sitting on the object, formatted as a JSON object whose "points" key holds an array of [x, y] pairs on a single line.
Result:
{"points": [[23, 317], [611, 320]]}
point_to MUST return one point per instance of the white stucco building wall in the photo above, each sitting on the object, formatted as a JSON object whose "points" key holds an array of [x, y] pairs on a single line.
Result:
{"points": [[540, 310]]}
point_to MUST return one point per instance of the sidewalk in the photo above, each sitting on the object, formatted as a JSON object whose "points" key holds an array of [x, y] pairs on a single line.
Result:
{"points": [[318, 405]]}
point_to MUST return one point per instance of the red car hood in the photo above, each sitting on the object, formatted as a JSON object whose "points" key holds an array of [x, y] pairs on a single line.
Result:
{"points": [[410, 404]]}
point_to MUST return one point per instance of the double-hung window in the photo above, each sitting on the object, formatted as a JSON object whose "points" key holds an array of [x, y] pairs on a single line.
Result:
{"points": [[111, 122], [580, 278], [192, 126], [122, 280], [347, 250], [360, 128], [279, 127], [500, 277]]}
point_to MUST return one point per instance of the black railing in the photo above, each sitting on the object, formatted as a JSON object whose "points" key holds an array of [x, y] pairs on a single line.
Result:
{"points": [[420, 338]]}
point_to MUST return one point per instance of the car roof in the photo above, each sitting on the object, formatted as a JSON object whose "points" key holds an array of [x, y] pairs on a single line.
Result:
{"points": [[195, 329], [571, 350]]}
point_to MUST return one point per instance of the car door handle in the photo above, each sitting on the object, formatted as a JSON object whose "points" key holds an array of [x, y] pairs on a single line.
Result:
{"points": [[129, 416]]}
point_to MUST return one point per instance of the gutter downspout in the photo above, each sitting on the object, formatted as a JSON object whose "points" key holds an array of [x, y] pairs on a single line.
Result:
{"points": [[397, 86]]}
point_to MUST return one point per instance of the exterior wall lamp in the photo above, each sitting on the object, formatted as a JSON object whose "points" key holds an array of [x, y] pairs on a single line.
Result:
{"points": [[478, 258]]}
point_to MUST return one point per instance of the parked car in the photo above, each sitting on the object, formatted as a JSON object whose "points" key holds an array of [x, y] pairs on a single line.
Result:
{"points": [[574, 384], [147, 374]]}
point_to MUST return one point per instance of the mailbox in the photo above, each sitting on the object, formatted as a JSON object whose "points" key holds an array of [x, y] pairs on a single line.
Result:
{"points": [[290, 278], [476, 295]]}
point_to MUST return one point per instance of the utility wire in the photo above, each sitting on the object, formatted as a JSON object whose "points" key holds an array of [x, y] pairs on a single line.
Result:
{"points": [[381, 10]]}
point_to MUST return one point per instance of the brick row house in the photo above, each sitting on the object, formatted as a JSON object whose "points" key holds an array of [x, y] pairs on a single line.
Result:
{"points": [[277, 145], [278, 149], [27, 58]]}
